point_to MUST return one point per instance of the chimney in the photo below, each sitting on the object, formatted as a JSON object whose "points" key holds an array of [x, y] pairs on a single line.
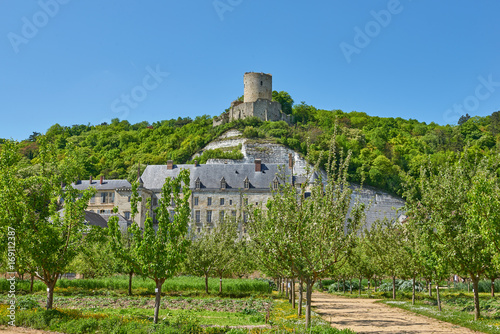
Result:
{"points": [[102, 179], [196, 163], [290, 160], [170, 164], [90, 179], [258, 165]]}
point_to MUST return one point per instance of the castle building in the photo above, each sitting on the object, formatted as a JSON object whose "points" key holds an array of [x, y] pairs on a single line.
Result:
{"points": [[218, 191], [257, 102]]}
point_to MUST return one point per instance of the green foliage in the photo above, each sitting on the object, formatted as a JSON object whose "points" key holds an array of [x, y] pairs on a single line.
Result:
{"points": [[381, 147]]}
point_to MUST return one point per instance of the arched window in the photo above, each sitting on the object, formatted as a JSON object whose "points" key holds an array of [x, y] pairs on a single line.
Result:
{"points": [[223, 184], [198, 184], [275, 183], [247, 183]]}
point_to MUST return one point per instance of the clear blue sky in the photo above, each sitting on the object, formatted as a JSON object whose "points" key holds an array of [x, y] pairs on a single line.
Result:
{"points": [[75, 61]]}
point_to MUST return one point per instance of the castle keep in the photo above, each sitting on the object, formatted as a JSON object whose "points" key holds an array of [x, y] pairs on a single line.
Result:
{"points": [[258, 95]]}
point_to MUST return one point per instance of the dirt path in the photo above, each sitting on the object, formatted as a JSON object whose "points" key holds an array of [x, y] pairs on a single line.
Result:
{"points": [[364, 316], [21, 330]]}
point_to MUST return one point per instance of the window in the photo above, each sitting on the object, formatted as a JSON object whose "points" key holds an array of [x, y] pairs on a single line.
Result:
{"points": [[172, 202], [245, 201], [209, 216], [247, 183], [197, 216], [256, 203], [261, 83], [155, 201], [221, 215], [112, 197], [275, 183], [104, 197], [198, 183], [101, 211], [209, 201], [230, 202], [245, 217], [172, 214], [196, 200], [127, 215], [233, 213], [129, 198], [198, 230], [222, 201], [92, 200], [223, 184]]}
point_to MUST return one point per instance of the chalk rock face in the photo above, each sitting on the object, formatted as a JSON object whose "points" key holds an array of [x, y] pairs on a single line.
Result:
{"points": [[380, 204]]}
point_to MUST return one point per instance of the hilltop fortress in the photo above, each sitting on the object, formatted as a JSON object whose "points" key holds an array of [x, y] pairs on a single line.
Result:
{"points": [[258, 95]]}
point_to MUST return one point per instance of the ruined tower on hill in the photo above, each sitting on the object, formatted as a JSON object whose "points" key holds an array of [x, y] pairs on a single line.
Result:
{"points": [[257, 101]]}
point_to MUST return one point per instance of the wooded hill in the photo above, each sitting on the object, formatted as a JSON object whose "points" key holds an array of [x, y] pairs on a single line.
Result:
{"points": [[381, 147]]}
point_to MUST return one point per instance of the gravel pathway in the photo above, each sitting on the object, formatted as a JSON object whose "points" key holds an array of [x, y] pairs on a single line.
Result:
{"points": [[364, 316]]}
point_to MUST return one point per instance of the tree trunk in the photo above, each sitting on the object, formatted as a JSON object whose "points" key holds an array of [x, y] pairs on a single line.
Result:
{"points": [[159, 284], [475, 288], [301, 299], [492, 287], [350, 286], [293, 293], [430, 289], [220, 284], [343, 286], [393, 287], [468, 285], [309, 284], [32, 281], [360, 279], [375, 284], [286, 289], [130, 274], [413, 292], [438, 297], [50, 293], [206, 283]]}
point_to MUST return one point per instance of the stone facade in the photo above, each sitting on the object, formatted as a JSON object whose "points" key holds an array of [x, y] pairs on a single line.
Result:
{"points": [[257, 102]]}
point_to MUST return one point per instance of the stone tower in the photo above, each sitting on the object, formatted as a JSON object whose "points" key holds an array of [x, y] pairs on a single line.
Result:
{"points": [[258, 102], [258, 86]]}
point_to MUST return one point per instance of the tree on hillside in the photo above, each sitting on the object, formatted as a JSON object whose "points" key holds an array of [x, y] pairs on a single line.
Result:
{"points": [[158, 254], [46, 240], [285, 99]]}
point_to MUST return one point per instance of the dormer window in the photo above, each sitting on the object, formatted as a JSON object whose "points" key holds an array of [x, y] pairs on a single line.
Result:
{"points": [[275, 183], [223, 184], [198, 184], [247, 183]]}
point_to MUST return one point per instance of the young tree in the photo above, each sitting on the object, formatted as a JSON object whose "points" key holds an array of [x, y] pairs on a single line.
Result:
{"points": [[158, 254], [46, 240], [440, 204], [212, 252], [310, 234]]}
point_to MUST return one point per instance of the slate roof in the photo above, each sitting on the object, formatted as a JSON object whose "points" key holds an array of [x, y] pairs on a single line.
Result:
{"points": [[107, 184], [210, 175], [95, 219]]}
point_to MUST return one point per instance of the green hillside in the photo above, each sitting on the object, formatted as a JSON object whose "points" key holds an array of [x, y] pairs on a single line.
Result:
{"points": [[382, 147]]}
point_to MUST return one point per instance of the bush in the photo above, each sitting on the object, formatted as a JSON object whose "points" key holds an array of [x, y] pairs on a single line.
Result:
{"points": [[339, 286]]}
